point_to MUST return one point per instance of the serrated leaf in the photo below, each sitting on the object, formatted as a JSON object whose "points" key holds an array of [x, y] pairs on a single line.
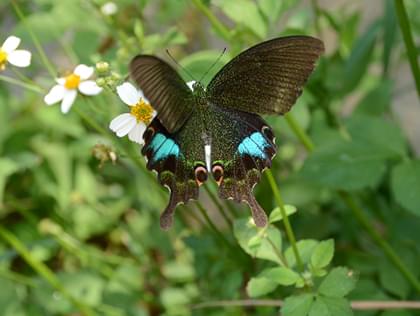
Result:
{"points": [[281, 275], [327, 306], [246, 233], [338, 283], [276, 216], [405, 185], [323, 254], [346, 165], [260, 286], [299, 305], [305, 248]]}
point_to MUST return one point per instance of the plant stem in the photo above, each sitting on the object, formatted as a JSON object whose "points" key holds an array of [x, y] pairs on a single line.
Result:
{"points": [[219, 206], [212, 225], [43, 270], [37, 44], [385, 246], [22, 84], [300, 133], [408, 40], [288, 227], [217, 25]]}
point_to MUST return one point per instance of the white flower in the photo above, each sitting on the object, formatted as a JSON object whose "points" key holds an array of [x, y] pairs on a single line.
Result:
{"points": [[66, 88], [109, 8], [141, 114], [9, 53]]}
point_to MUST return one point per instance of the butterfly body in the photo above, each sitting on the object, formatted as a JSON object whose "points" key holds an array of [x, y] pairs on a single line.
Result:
{"points": [[217, 132]]}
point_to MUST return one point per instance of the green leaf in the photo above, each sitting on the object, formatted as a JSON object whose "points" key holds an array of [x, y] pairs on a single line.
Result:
{"points": [[390, 25], [346, 166], [7, 168], [248, 234], [377, 101], [280, 275], [338, 283], [392, 280], [381, 135], [305, 248], [260, 286], [246, 13], [323, 254], [275, 215], [297, 305], [327, 306], [178, 271], [405, 184], [201, 62], [357, 64]]}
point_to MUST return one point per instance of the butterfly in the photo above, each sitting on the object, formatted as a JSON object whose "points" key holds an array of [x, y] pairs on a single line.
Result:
{"points": [[218, 129]]}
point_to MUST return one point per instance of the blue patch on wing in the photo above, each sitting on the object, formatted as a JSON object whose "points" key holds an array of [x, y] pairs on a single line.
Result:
{"points": [[163, 147], [254, 145]]}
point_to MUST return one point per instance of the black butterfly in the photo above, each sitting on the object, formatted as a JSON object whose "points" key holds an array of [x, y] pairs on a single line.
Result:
{"points": [[217, 129]]}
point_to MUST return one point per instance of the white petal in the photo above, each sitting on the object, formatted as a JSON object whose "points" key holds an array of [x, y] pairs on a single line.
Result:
{"points": [[109, 8], [55, 95], [10, 44], [89, 87], [136, 134], [20, 58], [154, 113], [61, 81], [190, 84], [68, 100], [123, 124], [83, 71], [129, 94], [120, 121]]}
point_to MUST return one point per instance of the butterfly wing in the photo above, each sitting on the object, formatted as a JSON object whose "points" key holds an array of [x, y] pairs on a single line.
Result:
{"points": [[164, 88], [180, 170], [269, 76], [242, 147]]}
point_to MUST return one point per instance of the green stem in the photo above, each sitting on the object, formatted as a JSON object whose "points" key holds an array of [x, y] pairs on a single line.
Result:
{"points": [[300, 133], [212, 225], [43, 270], [217, 25], [219, 206], [409, 42], [288, 227], [22, 84], [385, 246], [44, 58]]}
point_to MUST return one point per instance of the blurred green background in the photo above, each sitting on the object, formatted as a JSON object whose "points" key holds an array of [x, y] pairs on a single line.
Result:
{"points": [[79, 230]]}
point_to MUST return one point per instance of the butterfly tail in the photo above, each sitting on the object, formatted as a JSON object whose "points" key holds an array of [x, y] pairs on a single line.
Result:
{"points": [[258, 214]]}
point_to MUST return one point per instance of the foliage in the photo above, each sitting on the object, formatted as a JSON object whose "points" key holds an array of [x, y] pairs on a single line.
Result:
{"points": [[79, 228]]}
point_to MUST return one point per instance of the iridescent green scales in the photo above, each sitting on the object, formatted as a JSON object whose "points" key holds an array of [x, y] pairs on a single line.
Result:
{"points": [[218, 130]]}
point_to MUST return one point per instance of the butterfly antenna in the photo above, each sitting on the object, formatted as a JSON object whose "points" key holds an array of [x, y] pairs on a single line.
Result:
{"points": [[179, 65], [215, 62]]}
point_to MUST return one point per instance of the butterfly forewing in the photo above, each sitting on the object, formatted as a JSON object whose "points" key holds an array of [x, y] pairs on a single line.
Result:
{"points": [[266, 78], [165, 89]]}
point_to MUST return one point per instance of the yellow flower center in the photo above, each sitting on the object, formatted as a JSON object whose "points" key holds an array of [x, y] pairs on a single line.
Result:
{"points": [[3, 59], [72, 81], [143, 112]]}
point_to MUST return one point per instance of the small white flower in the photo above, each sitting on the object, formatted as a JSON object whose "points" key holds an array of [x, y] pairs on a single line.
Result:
{"points": [[66, 88], [141, 114], [109, 8], [10, 54]]}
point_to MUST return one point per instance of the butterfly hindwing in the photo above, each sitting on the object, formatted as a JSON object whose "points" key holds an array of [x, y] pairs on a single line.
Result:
{"points": [[165, 90], [270, 76], [239, 159], [165, 155]]}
